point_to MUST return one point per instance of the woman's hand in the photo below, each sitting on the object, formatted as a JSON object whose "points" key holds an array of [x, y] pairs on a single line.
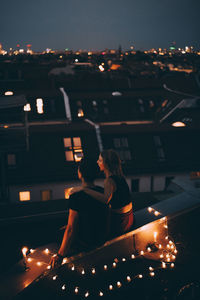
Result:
{"points": [[56, 260], [75, 190]]}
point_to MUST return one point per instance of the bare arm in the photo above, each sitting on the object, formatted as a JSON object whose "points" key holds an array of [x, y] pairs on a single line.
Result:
{"points": [[68, 237], [109, 188]]}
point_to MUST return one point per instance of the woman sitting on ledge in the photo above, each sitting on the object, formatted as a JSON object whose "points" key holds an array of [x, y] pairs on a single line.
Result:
{"points": [[116, 193]]}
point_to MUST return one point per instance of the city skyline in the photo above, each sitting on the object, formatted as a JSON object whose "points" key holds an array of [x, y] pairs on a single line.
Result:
{"points": [[93, 25]]}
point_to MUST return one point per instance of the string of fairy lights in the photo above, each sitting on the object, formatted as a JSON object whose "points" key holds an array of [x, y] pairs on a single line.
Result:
{"points": [[166, 253]]}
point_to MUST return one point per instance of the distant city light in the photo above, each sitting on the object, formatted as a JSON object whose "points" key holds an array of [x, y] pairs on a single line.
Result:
{"points": [[116, 93], [178, 124], [27, 107], [8, 93]]}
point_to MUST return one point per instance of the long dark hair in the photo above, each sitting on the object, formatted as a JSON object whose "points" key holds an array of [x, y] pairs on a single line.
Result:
{"points": [[112, 162]]}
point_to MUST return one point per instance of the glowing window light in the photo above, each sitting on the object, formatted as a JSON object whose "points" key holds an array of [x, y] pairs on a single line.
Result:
{"points": [[8, 93], [39, 104], [178, 124], [24, 196], [27, 107]]}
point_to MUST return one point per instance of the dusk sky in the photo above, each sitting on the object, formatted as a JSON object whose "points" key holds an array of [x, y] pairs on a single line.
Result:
{"points": [[99, 24]]}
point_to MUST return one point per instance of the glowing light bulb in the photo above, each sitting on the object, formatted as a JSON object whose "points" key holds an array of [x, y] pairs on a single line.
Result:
{"points": [[159, 246], [151, 269], [175, 251], [128, 278], [83, 272], [105, 267], [63, 287], [165, 226], [140, 276], [172, 246], [24, 251], [172, 265], [73, 268], [173, 256], [168, 259], [86, 294], [170, 242], [114, 265], [76, 290], [93, 271], [32, 250], [46, 251], [64, 261], [55, 277], [123, 259], [119, 284], [163, 265], [152, 274], [161, 255], [166, 237], [142, 252], [148, 249], [168, 246], [100, 293], [167, 255], [49, 267], [132, 256], [150, 209], [29, 259], [39, 263], [110, 287]]}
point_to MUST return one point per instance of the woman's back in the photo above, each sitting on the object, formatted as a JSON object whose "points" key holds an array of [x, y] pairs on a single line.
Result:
{"points": [[121, 195]]}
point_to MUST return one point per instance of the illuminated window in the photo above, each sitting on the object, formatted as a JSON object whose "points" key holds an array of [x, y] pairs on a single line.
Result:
{"points": [[122, 147], [11, 160], [39, 104], [73, 149], [27, 107], [46, 195], [24, 196]]}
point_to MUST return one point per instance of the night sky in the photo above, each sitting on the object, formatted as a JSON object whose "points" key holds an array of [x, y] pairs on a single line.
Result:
{"points": [[99, 24]]}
